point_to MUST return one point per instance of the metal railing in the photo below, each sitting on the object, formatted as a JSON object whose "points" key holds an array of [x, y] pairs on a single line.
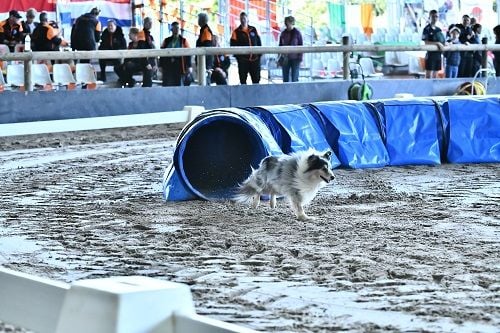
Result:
{"points": [[346, 49]]}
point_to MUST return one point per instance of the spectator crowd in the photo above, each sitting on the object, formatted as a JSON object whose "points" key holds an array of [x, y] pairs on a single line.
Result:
{"points": [[87, 35]]}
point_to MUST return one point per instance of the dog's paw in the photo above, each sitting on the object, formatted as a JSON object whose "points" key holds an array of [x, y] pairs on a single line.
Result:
{"points": [[305, 218]]}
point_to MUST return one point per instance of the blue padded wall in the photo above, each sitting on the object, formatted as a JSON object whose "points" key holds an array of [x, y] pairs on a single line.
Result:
{"points": [[473, 129]]}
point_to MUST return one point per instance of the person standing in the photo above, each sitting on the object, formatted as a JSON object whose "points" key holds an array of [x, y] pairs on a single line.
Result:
{"points": [[205, 38], [131, 66], [291, 36], [247, 35], [477, 56], [432, 35], [496, 54], [86, 32], [176, 71], [145, 33], [452, 57], [112, 38], [466, 38]]}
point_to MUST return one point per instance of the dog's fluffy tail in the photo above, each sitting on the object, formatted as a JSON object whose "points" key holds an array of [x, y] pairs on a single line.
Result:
{"points": [[247, 191]]}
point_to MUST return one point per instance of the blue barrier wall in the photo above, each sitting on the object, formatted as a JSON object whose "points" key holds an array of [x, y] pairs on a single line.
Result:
{"points": [[218, 149]]}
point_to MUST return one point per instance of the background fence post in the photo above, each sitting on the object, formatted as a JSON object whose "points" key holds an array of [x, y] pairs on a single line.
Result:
{"points": [[346, 41], [484, 54], [202, 70], [28, 84]]}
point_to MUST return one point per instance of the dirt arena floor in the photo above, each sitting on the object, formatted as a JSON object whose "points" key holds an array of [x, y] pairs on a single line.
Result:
{"points": [[407, 249]]}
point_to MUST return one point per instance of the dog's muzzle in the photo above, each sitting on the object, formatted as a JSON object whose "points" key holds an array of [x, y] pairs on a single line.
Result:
{"points": [[327, 180]]}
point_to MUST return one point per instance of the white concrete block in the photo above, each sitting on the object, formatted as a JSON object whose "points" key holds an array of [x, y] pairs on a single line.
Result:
{"points": [[199, 324], [29, 301], [193, 111], [123, 305]]}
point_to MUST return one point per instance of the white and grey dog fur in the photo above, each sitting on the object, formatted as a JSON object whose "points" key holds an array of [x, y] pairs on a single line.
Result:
{"points": [[297, 176]]}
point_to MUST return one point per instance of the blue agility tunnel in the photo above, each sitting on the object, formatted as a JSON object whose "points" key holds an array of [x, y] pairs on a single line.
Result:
{"points": [[412, 130], [295, 128], [218, 149], [216, 152], [353, 133]]}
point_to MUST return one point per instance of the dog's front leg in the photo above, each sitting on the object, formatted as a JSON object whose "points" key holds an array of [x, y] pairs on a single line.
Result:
{"points": [[256, 200], [299, 210], [272, 202]]}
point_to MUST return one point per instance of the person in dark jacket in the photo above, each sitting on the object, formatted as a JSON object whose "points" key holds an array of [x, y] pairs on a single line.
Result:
{"points": [[433, 35], [176, 71], [86, 32], [131, 66], [29, 24], [477, 56], [466, 38], [452, 57], [45, 37], [220, 67], [496, 54], [11, 30], [145, 33], [111, 39], [247, 35], [291, 36]]}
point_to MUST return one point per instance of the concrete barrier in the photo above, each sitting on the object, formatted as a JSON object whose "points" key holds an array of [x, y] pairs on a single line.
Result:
{"points": [[117, 304]]}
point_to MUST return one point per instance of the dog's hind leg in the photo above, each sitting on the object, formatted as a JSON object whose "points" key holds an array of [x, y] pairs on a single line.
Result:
{"points": [[256, 200], [272, 202]]}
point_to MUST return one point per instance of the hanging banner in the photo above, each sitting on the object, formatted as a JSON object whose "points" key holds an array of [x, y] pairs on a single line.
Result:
{"points": [[119, 10], [22, 6]]}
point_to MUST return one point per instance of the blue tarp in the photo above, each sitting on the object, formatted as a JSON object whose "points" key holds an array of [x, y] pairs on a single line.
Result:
{"points": [[411, 130], [353, 133], [294, 128], [473, 128]]}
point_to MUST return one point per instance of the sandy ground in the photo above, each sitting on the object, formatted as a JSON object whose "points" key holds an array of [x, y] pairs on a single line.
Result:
{"points": [[409, 249]]}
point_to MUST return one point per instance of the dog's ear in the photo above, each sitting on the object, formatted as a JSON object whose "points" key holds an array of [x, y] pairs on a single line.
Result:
{"points": [[327, 154], [313, 159]]}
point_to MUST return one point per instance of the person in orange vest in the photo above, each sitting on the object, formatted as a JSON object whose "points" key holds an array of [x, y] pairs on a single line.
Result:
{"points": [[45, 37], [11, 30], [247, 35], [176, 71], [145, 33], [205, 38]]}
